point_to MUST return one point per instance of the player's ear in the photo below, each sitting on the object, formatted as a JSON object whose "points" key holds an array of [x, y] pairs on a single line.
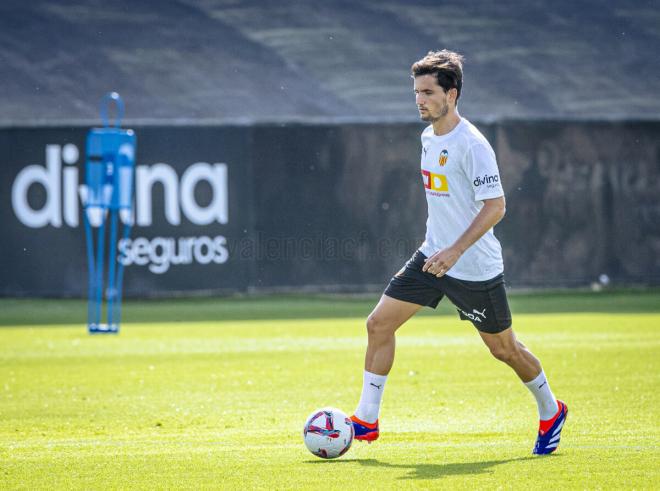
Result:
{"points": [[453, 95]]}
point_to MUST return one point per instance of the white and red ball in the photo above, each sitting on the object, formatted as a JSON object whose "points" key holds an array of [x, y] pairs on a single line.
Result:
{"points": [[328, 433]]}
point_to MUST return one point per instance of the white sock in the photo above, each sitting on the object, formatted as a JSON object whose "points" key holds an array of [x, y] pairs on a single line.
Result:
{"points": [[372, 392], [545, 399]]}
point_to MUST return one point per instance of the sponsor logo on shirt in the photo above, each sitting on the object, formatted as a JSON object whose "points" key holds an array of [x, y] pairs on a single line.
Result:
{"points": [[435, 182], [490, 181], [443, 158]]}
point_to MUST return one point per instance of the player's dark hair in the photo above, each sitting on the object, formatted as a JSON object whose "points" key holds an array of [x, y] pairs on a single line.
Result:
{"points": [[446, 65]]}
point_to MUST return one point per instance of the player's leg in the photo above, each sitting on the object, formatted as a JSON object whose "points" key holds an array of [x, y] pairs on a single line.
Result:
{"points": [[486, 305], [505, 347], [408, 291], [552, 413], [382, 323], [388, 315]]}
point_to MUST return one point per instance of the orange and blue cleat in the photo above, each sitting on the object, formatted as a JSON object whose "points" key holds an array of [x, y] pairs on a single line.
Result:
{"points": [[550, 431], [366, 432]]}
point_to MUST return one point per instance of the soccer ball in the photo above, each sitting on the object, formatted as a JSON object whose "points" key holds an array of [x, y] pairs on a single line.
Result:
{"points": [[328, 433]]}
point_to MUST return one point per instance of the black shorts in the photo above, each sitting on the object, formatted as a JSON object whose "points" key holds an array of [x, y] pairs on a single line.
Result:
{"points": [[484, 303]]}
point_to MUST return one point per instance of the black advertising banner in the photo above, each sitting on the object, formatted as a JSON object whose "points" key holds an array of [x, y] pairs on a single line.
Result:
{"points": [[344, 204], [326, 207], [189, 206], [583, 200]]}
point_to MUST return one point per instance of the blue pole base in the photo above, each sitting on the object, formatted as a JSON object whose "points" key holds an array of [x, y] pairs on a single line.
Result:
{"points": [[103, 328]]}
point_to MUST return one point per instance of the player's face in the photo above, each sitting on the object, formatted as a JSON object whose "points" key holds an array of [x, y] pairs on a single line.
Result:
{"points": [[431, 99]]}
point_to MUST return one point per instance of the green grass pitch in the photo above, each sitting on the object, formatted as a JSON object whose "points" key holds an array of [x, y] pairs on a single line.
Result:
{"points": [[212, 394]]}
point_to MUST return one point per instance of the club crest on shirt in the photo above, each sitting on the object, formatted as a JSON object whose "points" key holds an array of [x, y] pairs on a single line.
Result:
{"points": [[443, 158]]}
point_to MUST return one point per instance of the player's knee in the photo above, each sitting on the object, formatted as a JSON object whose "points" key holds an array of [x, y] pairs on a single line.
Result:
{"points": [[372, 325], [506, 354], [375, 326]]}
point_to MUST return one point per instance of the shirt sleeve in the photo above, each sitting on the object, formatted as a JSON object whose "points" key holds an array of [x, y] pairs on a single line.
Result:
{"points": [[481, 169]]}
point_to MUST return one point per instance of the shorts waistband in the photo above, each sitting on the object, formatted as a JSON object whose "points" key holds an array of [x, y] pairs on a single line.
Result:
{"points": [[418, 259]]}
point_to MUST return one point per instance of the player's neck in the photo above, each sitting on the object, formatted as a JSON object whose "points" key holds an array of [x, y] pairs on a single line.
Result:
{"points": [[444, 125]]}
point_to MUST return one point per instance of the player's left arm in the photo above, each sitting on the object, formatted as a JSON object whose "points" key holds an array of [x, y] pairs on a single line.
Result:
{"points": [[480, 167], [490, 214]]}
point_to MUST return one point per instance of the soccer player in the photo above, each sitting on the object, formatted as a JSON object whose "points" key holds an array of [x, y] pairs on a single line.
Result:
{"points": [[460, 257]]}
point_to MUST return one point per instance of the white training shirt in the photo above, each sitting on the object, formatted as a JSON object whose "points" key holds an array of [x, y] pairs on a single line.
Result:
{"points": [[459, 170]]}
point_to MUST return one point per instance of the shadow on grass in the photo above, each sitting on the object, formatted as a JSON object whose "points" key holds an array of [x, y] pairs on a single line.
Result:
{"points": [[431, 471]]}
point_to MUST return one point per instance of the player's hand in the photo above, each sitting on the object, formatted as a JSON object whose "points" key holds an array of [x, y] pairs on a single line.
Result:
{"points": [[441, 262]]}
